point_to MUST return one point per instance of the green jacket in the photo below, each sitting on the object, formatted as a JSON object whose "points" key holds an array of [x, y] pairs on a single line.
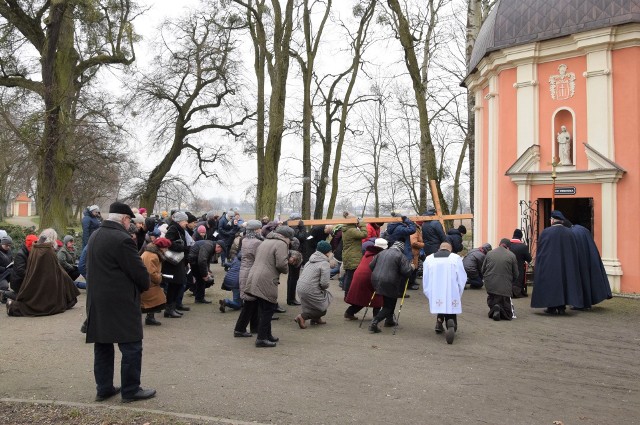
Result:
{"points": [[352, 246]]}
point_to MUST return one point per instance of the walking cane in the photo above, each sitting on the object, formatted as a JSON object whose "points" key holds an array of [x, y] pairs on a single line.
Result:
{"points": [[395, 328], [366, 309]]}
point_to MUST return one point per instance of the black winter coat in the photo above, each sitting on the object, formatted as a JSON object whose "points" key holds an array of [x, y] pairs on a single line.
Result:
{"points": [[432, 236], [176, 235], [200, 256], [390, 270], [455, 238], [117, 276], [19, 269]]}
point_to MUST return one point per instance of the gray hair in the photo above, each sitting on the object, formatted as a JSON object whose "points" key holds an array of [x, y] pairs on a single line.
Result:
{"points": [[49, 235], [116, 217]]}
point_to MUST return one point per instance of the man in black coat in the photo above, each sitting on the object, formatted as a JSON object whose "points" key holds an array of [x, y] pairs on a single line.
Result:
{"points": [[117, 276], [432, 234], [523, 256], [199, 258], [557, 276]]}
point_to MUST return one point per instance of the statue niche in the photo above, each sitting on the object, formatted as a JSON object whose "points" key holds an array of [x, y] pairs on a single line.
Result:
{"points": [[563, 140], [564, 146]]}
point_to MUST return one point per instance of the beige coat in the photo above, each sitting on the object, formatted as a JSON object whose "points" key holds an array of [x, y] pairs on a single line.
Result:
{"points": [[416, 245], [154, 297], [272, 259]]}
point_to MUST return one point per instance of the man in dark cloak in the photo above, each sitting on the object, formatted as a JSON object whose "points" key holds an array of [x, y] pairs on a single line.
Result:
{"points": [[595, 284], [557, 276]]}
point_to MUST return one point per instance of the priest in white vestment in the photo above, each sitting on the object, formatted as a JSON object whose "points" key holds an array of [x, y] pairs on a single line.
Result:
{"points": [[443, 280]]}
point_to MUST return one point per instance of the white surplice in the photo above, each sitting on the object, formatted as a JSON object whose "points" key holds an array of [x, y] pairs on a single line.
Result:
{"points": [[443, 281]]}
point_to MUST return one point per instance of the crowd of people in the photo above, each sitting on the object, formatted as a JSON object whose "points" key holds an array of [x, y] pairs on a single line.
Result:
{"points": [[143, 264]]}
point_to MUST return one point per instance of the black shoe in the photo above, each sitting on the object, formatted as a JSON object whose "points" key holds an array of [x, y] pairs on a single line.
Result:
{"points": [[390, 323], [182, 307], [223, 306], [265, 343], [280, 310], [439, 327], [202, 301], [561, 311], [172, 314], [551, 310], [294, 302], [495, 312], [151, 321], [373, 327], [140, 395], [450, 334], [83, 328], [273, 338], [238, 334], [108, 395]]}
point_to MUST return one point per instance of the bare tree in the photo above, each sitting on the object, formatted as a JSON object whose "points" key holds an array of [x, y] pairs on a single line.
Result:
{"points": [[66, 42], [192, 88]]}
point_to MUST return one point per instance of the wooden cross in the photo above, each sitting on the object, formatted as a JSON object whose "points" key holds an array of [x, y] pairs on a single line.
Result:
{"points": [[438, 215]]}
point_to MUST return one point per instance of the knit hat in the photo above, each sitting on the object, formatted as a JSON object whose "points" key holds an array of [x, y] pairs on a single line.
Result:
{"points": [[254, 225], [285, 231], [179, 216], [163, 228], [6, 240], [295, 216], [162, 243], [154, 232], [323, 247], [67, 238], [94, 208], [142, 210], [191, 218], [462, 229], [138, 219], [517, 234], [29, 241], [381, 243], [557, 214], [202, 229]]}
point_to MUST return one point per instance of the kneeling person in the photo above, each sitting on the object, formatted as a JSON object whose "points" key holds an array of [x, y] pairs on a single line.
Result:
{"points": [[312, 287], [443, 280], [499, 270]]}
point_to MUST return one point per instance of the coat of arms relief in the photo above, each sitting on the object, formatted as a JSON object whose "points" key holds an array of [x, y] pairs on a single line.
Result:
{"points": [[563, 85]]}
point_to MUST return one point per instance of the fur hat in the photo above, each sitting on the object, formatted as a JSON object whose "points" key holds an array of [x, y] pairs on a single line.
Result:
{"points": [[381, 243], [179, 216], [67, 238], [517, 234], [6, 240], [254, 225], [323, 247], [285, 231], [162, 243], [120, 208]]}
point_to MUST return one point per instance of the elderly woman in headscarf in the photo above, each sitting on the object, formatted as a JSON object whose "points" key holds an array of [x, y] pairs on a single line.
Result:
{"points": [[154, 300], [47, 289], [312, 287], [249, 313]]}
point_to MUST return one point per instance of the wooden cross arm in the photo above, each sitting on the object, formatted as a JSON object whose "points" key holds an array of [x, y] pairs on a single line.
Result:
{"points": [[334, 221]]}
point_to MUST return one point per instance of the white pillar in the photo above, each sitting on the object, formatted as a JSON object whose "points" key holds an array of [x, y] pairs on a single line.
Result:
{"points": [[478, 213], [492, 163], [527, 107], [610, 235], [600, 102]]}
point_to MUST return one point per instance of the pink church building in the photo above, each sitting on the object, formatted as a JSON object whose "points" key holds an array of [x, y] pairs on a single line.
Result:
{"points": [[557, 90]]}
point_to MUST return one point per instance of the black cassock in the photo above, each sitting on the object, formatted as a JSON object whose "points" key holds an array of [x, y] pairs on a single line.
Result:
{"points": [[557, 276], [595, 284]]}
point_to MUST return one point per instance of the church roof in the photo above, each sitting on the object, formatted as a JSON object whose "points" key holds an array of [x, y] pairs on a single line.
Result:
{"points": [[22, 197], [516, 22]]}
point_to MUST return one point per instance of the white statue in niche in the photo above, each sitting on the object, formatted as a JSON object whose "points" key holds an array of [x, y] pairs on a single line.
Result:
{"points": [[564, 146]]}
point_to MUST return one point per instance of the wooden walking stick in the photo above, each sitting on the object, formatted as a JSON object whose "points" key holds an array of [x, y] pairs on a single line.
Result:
{"points": [[366, 309], [395, 328]]}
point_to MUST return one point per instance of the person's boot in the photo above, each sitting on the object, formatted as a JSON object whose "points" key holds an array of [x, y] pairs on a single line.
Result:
{"points": [[83, 328], [171, 313], [264, 343], [373, 327], [450, 334], [389, 323], [439, 326], [151, 320], [181, 307]]}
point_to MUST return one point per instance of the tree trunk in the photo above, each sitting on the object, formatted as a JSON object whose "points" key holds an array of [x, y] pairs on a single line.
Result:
{"points": [[428, 167], [54, 172]]}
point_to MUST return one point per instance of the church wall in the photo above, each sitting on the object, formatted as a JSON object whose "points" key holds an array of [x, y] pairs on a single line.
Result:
{"points": [[506, 203], [626, 101], [548, 106]]}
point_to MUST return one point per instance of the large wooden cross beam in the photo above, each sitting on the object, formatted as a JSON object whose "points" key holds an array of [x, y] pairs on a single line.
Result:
{"points": [[438, 216]]}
